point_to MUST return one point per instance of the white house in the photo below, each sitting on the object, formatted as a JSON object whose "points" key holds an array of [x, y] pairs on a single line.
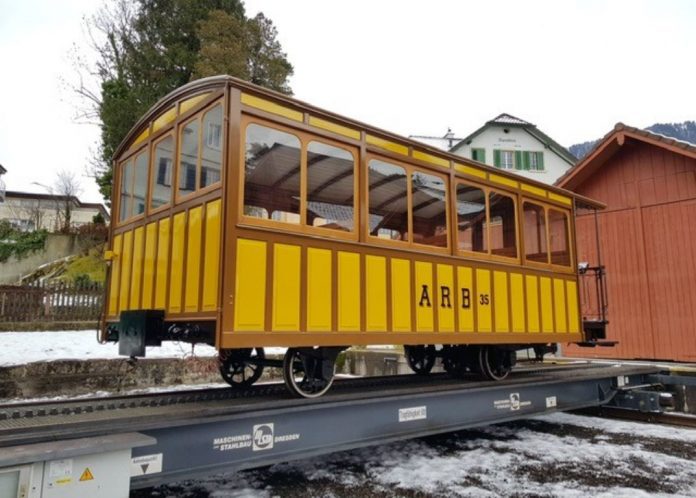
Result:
{"points": [[31, 211], [511, 143]]}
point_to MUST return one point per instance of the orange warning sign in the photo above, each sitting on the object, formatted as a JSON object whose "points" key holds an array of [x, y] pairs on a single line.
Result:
{"points": [[86, 475]]}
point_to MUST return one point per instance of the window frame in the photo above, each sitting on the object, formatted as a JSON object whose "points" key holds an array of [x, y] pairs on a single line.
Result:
{"points": [[304, 137], [198, 116], [488, 255], [409, 168], [153, 173], [512, 159], [569, 231], [132, 155]]}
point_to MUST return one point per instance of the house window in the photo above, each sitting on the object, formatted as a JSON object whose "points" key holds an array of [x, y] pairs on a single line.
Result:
{"points": [[478, 155], [506, 159], [187, 177], [536, 161], [214, 135]]}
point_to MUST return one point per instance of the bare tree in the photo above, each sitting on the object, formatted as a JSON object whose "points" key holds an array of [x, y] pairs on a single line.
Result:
{"points": [[66, 188]]}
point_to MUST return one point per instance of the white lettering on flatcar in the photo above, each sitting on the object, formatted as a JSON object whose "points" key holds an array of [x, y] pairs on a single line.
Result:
{"points": [[413, 413]]}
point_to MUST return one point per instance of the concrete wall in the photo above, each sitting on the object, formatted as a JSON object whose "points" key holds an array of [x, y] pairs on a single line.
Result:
{"points": [[57, 246]]}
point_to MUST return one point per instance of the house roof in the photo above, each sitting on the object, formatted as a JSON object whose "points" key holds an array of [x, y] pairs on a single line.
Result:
{"points": [[444, 142], [10, 194], [508, 120], [2, 170], [610, 145]]}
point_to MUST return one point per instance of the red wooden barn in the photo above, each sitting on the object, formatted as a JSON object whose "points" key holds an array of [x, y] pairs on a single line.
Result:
{"points": [[647, 241]]}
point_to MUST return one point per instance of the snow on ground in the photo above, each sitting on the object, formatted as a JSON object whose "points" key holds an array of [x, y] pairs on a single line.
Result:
{"points": [[553, 455], [19, 348]]}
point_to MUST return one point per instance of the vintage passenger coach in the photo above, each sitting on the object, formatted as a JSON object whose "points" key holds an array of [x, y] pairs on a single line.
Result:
{"points": [[246, 219]]}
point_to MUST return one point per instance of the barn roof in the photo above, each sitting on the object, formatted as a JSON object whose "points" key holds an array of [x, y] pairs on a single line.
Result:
{"points": [[610, 145]]}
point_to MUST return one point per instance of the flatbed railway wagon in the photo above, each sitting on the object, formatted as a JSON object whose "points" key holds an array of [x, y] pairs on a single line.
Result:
{"points": [[246, 219]]}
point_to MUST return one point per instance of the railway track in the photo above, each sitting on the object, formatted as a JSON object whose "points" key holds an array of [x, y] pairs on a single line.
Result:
{"points": [[663, 418], [269, 391]]}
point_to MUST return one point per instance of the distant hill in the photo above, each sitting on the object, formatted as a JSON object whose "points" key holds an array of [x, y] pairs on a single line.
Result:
{"points": [[685, 131]]}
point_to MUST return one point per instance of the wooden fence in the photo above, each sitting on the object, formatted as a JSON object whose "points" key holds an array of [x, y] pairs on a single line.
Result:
{"points": [[59, 302]]}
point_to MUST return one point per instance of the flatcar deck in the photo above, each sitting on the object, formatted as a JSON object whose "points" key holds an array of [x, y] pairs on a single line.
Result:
{"points": [[192, 434]]}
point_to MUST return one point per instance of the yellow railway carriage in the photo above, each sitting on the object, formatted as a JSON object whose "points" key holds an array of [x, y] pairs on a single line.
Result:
{"points": [[246, 219]]}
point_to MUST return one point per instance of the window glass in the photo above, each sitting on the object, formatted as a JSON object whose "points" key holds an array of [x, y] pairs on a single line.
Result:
{"points": [[272, 174], [535, 233], [126, 200], [188, 157], [558, 238], [506, 159], [140, 184], [429, 209], [162, 173], [211, 158], [471, 219], [388, 200], [330, 187], [502, 226]]}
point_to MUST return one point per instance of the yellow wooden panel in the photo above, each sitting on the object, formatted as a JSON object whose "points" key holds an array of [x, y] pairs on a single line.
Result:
{"points": [[271, 107], [162, 272], [546, 304], [149, 263], [517, 300], [469, 170], [166, 118], [319, 289], [559, 302], [211, 251], [386, 144], [534, 190], [376, 290], [143, 135], [532, 284], [334, 128], [115, 276], [560, 198], [286, 287], [445, 298], [429, 158], [502, 306], [401, 295], [187, 104], [126, 263], [483, 300], [572, 300], [137, 272], [250, 286], [503, 180], [466, 297], [348, 291], [176, 275], [424, 296], [193, 260]]}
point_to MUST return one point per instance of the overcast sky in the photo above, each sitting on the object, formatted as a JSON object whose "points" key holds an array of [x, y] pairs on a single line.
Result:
{"points": [[573, 68]]}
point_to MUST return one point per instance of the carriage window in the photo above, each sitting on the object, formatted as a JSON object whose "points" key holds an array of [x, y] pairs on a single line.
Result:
{"points": [[211, 158], [429, 209], [558, 238], [272, 174], [330, 187], [535, 233], [140, 183], [162, 173], [188, 157], [388, 200], [471, 219], [502, 226], [126, 200]]}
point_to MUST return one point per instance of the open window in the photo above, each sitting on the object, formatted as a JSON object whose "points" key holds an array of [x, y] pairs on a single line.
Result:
{"points": [[546, 234]]}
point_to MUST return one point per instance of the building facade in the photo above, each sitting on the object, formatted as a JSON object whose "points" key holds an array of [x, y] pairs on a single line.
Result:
{"points": [[647, 242], [513, 144], [30, 211]]}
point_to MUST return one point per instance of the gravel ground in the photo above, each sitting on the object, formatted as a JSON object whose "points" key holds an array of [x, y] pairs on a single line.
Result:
{"points": [[553, 455]]}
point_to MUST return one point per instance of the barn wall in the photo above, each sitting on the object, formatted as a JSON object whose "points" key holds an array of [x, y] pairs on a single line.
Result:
{"points": [[648, 241]]}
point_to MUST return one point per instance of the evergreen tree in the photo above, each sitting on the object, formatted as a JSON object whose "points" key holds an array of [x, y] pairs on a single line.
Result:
{"points": [[148, 48]]}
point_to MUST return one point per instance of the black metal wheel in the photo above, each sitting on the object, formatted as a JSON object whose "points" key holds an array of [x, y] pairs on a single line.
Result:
{"points": [[305, 374], [241, 367], [420, 358], [494, 363]]}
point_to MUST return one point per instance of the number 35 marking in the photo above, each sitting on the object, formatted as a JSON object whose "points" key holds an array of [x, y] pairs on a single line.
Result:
{"points": [[483, 299]]}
